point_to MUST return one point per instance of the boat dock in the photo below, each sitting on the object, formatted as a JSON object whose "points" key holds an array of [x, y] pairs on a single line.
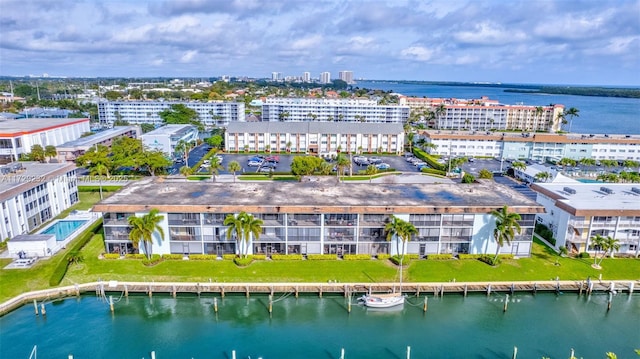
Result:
{"points": [[215, 289]]}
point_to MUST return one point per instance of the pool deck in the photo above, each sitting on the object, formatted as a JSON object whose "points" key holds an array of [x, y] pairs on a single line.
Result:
{"points": [[104, 288]]}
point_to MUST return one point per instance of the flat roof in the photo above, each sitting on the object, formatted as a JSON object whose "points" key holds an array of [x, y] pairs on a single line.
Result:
{"points": [[168, 130], [97, 137], [13, 128], [31, 175], [316, 127], [320, 195], [530, 136], [32, 237], [589, 199]]}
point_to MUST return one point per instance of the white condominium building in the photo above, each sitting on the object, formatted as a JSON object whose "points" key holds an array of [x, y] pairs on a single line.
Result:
{"points": [[533, 146], [325, 77], [576, 212], [485, 114], [306, 76], [17, 136], [32, 193], [323, 138], [71, 150], [211, 114], [167, 137], [346, 76], [338, 110]]}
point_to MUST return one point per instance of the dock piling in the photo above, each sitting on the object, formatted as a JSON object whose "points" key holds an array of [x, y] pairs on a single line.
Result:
{"points": [[221, 291], [150, 291], [35, 306], [126, 291], [608, 301], [535, 288], [581, 286], [417, 290], [320, 292], [296, 291], [173, 291], [408, 352], [215, 305], [513, 288], [442, 290], [631, 288], [233, 354], [346, 290], [111, 303], [77, 290], [506, 304], [270, 304], [515, 352], [42, 310], [424, 307], [489, 289], [342, 353], [247, 290], [465, 289]]}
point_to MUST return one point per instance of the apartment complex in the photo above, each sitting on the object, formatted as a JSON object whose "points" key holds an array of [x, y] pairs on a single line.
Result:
{"points": [[346, 76], [167, 137], [211, 114], [70, 151], [325, 77], [533, 146], [17, 136], [338, 110], [315, 217], [576, 212], [323, 138], [32, 193], [485, 114]]}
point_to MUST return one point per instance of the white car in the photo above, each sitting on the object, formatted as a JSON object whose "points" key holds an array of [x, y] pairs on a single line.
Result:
{"points": [[254, 164]]}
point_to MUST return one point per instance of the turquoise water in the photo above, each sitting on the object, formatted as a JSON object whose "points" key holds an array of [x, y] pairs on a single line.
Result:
{"points": [[62, 229], [610, 115], [586, 180], [311, 327]]}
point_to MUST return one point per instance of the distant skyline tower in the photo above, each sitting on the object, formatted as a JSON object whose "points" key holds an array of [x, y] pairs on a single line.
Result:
{"points": [[276, 76], [306, 76], [346, 76], [325, 77]]}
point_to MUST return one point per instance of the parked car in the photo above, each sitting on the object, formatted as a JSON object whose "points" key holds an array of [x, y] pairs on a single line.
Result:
{"points": [[265, 169], [269, 164], [383, 166], [272, 158], [375, 161], [254, 163], [255, 159]]}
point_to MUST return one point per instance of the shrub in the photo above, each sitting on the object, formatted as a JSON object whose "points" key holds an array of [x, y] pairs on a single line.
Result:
{"points": [[229, 257], [3, 244], [172, 257], [135, 256], [59, 272], [464, 256], [242, 261], [383, 256], [432, 161], [354, 257], [321, 257], [258, 257], [287, 257], [155, 259], [433, 171], [407, 258], [544, 232], [584, 255], [440, 257], [111, 256], [61, 269], [468, 178], [203, 257], [489, 259]]}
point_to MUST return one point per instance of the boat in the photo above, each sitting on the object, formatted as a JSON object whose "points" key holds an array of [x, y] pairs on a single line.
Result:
{"points": [[383, 300]]}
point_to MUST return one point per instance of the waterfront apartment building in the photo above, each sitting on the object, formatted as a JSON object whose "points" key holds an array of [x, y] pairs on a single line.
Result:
{"points": [[70, 151], [211, 114], [325, 77], [485, 114], [319, 216], [32, 193], [322, 138], [533, 146], [167, 137], [346, 76], [17, 136], [576, 212], [338, 110]]}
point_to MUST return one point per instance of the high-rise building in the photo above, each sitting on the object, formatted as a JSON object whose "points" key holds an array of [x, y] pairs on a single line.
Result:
{"points": [[276, 76], [346, 76], [306, 76], [325, 77]]}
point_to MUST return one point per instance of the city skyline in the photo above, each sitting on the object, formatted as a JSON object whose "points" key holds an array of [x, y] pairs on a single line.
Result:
{"points": [[556, 42]]}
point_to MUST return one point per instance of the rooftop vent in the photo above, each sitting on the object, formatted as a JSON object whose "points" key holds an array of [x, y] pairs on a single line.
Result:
{"points": [[569, 190], [635, 190], [606, 190]]}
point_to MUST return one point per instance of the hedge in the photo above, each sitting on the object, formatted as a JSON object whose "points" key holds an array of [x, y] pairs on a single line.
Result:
{"points": [[406, 258], [134, 256], [242, 261], [321, 257], [355, 257], [203, 257], [172, 257], [287, 257], [229, 257], [61, 269], [155, 259], [439, 257], [432, 161], [544, 232], [111, 256], [433, 171], [383, 256], [258, 257], [583, 255]]}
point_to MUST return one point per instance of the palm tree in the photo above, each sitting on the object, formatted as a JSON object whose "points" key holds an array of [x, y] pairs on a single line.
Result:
{"points": [[539, 112], [410, 137], [186, 171], [252, 227], [543, 176], [371, 171], [571, 112], [184, 147], [50, 151], [215, 167], [100, 170], [341, 163], [143, 229], [506, 227], [519, 165], [606, 244], [234, 227], [233, 167], [403, 231]]}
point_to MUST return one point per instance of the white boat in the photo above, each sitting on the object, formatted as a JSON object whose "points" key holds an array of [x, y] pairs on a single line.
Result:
{"points": [[383, 300]]}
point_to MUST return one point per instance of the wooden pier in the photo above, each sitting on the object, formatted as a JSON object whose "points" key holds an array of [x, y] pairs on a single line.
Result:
{"points": [[214, 289]]}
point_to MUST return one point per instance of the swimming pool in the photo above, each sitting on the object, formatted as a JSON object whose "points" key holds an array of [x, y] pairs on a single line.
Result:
{"points": [[586, 180], [62, 229]]}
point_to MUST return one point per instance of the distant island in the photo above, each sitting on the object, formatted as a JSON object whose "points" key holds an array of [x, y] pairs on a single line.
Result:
{"points": [[543, 89]]}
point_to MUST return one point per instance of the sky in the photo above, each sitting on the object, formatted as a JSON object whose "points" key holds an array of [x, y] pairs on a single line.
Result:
{"points": [[592, 42]]}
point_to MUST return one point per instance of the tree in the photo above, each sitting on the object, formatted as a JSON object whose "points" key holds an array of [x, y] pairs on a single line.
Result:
{"points": [[96, 156], [606, 244], [565, 161], [305, 165], [485, 174], [410, 137], [371, 171], [543, 176], [468, 178], [214, 141], [505, 228], [216, 166], [37, 153], [50, 151], [184, 147], [233, 167], [587, 161], [143, 229], [127, 152], [519, 165], [403, 231], [242, 226], [539, 112], [186, 171], [181, 114], [100, 170], [252, 227], [147, 127], [112, 95], [571, 112], [154, 160], [342, 162], [456, 162]]}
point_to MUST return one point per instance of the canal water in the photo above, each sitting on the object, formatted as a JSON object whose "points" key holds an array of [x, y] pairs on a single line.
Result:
{"points": [[545, 325]]}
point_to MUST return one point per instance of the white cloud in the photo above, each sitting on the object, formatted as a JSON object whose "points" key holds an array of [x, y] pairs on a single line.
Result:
{"points": [[418, 53], [490, 34], [307, 43], [188, 56]]}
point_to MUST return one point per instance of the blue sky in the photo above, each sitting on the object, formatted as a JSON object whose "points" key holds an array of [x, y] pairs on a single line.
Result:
{"points": [[512, 41]]}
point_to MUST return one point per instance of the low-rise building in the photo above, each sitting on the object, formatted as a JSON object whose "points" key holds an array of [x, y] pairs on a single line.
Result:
{"points": [[70, 151], [167, 137], [17, 136], [532, 146], [576, 212], [32, 193], [320, 216], [327, 109], [211, 114], [322, 138]]}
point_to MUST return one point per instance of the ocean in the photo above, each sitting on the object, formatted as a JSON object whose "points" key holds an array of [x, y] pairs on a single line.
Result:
{"points": [[598, 115]]}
